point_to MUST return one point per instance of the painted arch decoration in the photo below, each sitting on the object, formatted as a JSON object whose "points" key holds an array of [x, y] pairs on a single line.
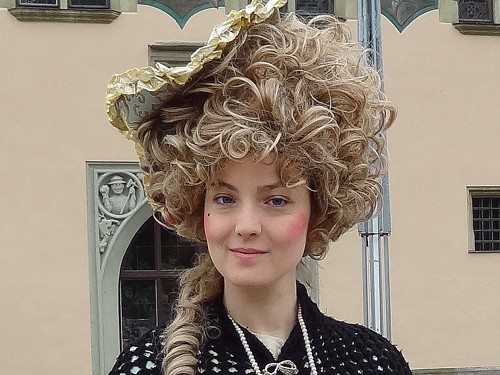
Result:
{"points": [[182, 10], [403, 12], [399, 12]]}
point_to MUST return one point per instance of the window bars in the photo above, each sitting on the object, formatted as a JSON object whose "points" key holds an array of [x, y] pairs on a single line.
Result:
{"points": [[475, 11], [486, 223]]}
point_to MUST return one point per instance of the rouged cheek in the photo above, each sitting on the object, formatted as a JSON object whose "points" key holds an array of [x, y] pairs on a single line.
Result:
{"points": [[297, 227], [215, 226]]}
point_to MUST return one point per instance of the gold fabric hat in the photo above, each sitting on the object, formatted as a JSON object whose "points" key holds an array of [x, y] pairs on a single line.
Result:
{"points": [[138, 95]]}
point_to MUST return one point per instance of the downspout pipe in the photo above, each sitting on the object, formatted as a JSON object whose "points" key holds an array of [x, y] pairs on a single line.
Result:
{"points": [[375, 232]]}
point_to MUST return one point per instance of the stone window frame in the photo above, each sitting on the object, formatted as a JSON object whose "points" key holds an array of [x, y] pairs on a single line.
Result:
{"points": [[63, 13], [478, 192], [109, 236]]}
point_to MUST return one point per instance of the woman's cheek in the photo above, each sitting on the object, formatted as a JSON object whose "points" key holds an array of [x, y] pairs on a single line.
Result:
{"points": [[215, 226], [297, 227]]}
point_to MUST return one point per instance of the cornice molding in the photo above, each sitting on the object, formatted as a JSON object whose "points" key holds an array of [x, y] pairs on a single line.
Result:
{"points": [[64, 15], [478, 29]]}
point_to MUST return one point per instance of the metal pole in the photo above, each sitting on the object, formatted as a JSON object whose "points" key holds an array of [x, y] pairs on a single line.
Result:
{"points": [[374, 232]]}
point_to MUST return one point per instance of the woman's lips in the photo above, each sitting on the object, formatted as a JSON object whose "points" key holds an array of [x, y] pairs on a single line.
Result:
{"points": [[247, 253]]}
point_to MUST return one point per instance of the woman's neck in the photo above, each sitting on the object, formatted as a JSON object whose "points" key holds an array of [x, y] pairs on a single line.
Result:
{"points": [[265, 310]]}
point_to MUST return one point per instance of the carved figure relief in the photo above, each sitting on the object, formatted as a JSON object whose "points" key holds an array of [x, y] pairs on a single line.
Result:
{"points": [[120, 201], [118, 195]]}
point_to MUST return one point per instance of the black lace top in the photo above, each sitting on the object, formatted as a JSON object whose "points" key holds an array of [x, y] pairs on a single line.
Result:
{"points": [[338, 348]]}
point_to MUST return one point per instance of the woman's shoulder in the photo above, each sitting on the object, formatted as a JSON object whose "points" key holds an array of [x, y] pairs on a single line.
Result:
{"points": [[364, 346], [141, 357]]}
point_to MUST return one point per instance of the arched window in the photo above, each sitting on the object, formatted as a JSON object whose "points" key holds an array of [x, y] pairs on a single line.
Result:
{"points": [[148, 279]]}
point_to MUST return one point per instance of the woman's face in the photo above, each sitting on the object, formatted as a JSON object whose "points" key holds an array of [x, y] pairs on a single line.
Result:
{"points": [[255, 227]]}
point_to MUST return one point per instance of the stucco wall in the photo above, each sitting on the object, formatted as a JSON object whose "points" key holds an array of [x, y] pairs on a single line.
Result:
{"points": [[53, 120]]}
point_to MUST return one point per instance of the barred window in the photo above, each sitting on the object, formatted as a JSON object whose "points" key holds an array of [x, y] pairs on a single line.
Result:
{"points": [[88, 4], [485, 209], [313, 7], [475, 11], [309, 8]]}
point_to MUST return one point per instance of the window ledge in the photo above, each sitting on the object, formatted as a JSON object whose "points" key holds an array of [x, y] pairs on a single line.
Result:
{"points": [[65, 15], [478, 28], [484, 251]]}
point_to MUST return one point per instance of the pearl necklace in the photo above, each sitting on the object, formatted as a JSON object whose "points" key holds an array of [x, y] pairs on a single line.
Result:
{"points": [[286, 367]]}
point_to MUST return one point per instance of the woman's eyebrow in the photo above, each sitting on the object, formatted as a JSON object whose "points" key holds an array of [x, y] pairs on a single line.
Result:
{"points": [[224, 184], [275, 185]]}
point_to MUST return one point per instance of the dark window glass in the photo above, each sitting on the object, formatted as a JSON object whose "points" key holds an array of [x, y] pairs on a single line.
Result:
{"points": [[141, 252], [38, 3], [138, 308], [148, 279], [88, 3], [175, 252]]}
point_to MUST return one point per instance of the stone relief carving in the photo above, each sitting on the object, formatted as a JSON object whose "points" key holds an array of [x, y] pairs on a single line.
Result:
{"points": [[118, 194], [120, 201]]}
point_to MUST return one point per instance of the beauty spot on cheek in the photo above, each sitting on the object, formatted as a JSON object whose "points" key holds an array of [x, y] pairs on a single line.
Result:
{"points": [[206, 222], [297, 227]]}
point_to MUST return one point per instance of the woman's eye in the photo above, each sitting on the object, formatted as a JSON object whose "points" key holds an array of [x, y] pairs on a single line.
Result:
{"points": [[224, 199], [277, 202]]}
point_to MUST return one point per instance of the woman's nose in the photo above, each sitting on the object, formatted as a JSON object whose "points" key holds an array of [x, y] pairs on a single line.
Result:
{"points": [[248, 222]]}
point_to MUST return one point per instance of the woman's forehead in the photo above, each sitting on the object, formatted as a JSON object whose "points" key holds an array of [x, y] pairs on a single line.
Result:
{"points": [[267, 174]]}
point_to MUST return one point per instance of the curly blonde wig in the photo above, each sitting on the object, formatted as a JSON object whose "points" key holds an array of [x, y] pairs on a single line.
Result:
{"points": [[291, 90], [297, 93]]}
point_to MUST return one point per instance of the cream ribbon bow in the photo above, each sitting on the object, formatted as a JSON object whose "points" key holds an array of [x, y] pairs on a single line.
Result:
{"points": [[286, 367]]}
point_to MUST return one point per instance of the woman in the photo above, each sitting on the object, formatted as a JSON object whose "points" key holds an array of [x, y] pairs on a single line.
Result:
{"points": [[267, 147]]}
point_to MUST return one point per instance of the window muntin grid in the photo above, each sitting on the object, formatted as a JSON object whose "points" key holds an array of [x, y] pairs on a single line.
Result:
{"points": [[486, 222]]}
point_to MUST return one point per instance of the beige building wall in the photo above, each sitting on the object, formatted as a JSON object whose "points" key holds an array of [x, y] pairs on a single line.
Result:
{"points": [[53, 78], [447, 86], [445, 301]]}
